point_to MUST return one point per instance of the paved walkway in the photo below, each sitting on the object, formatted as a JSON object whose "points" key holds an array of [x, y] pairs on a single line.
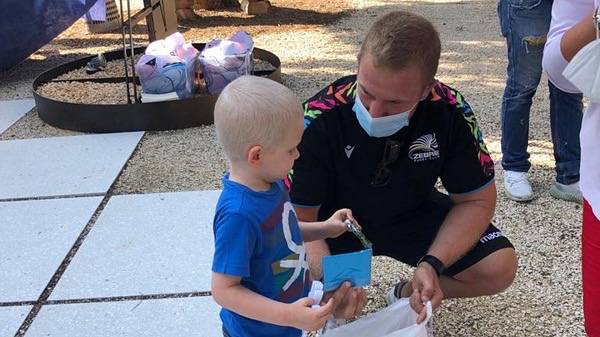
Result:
{"points": [[75, 262]]}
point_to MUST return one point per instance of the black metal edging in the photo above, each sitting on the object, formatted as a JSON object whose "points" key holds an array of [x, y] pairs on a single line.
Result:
{"points": [[168, 115]]}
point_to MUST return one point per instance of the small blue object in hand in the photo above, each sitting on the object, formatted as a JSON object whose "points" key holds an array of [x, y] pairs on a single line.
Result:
{"points": [[354, 267]]}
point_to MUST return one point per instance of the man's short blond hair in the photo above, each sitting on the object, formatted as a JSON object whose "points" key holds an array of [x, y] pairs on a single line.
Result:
{"points": [[253, 110], [399, 39]]}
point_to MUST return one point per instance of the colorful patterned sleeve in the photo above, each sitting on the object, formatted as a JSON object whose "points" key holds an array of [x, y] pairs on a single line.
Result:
{"points": [[338, 93], [469, 165]]}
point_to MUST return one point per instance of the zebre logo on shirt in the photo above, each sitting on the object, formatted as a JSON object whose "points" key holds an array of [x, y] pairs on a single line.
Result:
{"points": [[424, 148]]}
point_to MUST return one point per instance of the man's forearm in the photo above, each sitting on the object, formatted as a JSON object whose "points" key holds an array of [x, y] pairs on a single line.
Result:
{"points": [[464, 224], [315, 251], [460, 231]]}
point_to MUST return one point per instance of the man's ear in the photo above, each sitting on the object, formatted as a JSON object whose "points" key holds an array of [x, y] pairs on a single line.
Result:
{"points": [[254, 155]]}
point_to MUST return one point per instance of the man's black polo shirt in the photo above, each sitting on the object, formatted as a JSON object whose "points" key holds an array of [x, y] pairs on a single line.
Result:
{"points": [[338, 160]]}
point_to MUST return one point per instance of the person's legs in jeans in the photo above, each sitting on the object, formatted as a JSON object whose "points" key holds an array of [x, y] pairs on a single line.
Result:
{"points": [[524, 24], [566, 112], [590, 270]]}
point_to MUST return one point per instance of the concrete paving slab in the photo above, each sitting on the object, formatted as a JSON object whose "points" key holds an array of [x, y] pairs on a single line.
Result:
{"points": [[12, 111], [145, 244], [11, 319], [190, 317], [62, 166], [35, 236]]}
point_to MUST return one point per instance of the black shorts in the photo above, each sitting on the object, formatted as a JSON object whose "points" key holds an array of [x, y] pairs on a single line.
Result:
{"points": [[411, 238]]}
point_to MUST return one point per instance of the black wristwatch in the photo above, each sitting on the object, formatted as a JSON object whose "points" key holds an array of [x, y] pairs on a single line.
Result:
{"points": [[433, 261]]}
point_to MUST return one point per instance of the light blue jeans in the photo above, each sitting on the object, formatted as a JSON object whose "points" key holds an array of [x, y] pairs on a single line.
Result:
{"points": [[525, 24]]}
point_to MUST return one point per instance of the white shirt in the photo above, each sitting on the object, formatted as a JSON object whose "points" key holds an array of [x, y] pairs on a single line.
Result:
{"points": [[566, 14]]}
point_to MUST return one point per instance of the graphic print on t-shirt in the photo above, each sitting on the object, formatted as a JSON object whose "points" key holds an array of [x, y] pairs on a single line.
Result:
{"points": [[424, 148], [290, 273], [348, 149]]}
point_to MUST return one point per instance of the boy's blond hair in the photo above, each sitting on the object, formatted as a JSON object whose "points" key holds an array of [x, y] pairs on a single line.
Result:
{"points": [[253, 110], [399, 39]]}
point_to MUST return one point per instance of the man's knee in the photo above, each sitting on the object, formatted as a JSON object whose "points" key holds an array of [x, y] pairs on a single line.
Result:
{"points": [[496, 272]]}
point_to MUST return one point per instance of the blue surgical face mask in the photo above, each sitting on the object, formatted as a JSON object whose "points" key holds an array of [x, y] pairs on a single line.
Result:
{"points": [[381, 126]]}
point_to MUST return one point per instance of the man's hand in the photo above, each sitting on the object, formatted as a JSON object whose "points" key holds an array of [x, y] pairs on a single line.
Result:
{"points": [[426, 287], [349, 301]]}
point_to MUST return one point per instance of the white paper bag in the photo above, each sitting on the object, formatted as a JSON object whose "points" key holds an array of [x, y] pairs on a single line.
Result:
{"points": [[396, 320]]}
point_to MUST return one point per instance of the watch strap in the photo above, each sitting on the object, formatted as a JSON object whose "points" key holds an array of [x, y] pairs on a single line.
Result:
{"points": [[433, 261]]}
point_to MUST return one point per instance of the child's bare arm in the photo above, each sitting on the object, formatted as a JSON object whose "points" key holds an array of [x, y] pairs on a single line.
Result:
{"points": [[330, 228], [229, 293]]}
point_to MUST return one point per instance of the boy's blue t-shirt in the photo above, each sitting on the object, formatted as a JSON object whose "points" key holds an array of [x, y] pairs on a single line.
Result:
{"points": [[258, 239]]}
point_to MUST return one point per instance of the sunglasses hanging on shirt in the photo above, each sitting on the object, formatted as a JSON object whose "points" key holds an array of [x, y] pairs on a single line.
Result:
{"points": [[391, 153]]}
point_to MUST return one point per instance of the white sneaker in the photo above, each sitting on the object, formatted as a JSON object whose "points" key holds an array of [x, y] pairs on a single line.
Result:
{"points": [[390, 297], [393, 294], [569, 192], [516, 186]]}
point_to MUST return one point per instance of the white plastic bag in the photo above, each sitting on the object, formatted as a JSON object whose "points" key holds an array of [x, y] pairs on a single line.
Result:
{"points": [[397, 320], [168, 66], [223, 61], [584, 71]]}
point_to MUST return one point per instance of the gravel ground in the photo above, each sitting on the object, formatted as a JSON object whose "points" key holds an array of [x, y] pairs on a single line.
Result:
{"points": [[545, 298]]}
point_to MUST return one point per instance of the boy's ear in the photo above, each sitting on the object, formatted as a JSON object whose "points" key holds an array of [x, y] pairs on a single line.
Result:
{"points": [[428, 89], [254, 155]]}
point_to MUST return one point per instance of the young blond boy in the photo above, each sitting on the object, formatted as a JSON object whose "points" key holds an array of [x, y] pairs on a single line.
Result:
{"points": [[260, 273]]}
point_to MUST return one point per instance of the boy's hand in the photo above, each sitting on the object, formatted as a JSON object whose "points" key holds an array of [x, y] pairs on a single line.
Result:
{"points": [[303, 317], [335, 224]]}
